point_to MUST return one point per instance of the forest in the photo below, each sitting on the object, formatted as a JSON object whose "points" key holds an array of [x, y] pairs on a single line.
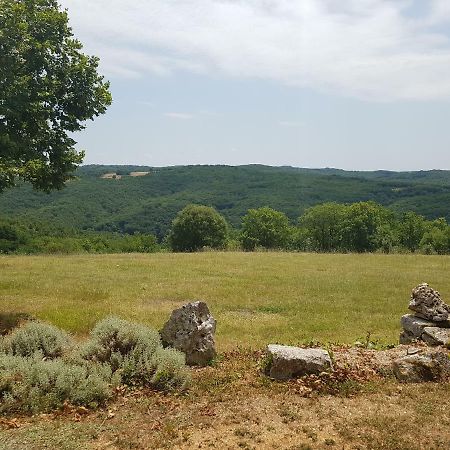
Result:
{"points": [[116, 209]]}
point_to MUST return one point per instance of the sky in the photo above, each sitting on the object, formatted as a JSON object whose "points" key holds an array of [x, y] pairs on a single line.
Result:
{"points": [[351, 84]]}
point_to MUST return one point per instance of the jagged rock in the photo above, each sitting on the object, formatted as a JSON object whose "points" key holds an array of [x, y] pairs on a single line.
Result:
{"points": [[285, 362], [422, 367], [191, 329], [436, 335], [427, 304]]}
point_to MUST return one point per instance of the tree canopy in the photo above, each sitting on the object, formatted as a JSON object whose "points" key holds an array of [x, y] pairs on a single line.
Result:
{"points": [[198, 226], [264, 227], [48, 89]]}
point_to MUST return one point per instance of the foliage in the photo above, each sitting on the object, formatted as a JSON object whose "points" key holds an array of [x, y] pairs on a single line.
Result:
{"points": [[264, 227], [149, 204], [411, 230], [38, 373], [198, 226], [135, 353], [36, 337], [323, 224], [9, 238], [48, 89], [33, 384]]}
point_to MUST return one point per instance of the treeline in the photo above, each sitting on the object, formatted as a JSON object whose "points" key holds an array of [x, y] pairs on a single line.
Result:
{"points": [[328, 227]]}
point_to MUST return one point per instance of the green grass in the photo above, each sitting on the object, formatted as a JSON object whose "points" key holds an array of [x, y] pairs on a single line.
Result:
{"points": [[257, 298]]}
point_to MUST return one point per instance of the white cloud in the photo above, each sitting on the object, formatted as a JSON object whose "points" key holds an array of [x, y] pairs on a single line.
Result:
{"points": [[178, 115], [370, 49]]}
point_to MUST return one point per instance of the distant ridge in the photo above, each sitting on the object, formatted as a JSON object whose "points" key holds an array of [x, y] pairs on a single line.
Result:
{"points": [[149, 203]]}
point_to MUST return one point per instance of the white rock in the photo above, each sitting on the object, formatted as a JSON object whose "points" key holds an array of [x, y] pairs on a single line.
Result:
{"points": [[285, 362], [191, 329]]}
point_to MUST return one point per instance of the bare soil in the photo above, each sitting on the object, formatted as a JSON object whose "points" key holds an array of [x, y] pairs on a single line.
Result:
{"points": [[232, 405]]}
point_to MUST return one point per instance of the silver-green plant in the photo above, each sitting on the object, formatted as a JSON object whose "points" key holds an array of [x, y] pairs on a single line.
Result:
{"points": [[37, 337], [136, 353], [33, 384]]}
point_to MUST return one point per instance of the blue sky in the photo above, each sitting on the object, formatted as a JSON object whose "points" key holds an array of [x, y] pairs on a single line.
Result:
{"points": [[353, 84]]}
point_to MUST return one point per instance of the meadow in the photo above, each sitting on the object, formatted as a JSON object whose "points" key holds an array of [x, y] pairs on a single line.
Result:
{"points": [[257, 298]]}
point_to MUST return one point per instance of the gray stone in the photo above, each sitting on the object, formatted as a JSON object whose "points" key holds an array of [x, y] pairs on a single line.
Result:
{"points": [[427, 304], [191, 329], [436, 335], [407, 338], [415, 325], [422, 367], [285, 362]]}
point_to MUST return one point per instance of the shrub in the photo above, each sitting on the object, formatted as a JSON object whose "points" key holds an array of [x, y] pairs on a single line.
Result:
{"points": [[33, 384], [136, 353], [36, 337], [198, 226]]}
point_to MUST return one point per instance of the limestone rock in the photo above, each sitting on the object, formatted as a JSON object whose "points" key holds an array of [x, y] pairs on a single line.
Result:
{"points": [[407, 337], [285, 362], [422, 367], [191, 329], [415, 325], [436, 335], [427, 304]]}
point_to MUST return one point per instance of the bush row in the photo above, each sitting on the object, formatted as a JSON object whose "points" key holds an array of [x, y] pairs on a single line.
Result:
{"points": [[42, 368]]}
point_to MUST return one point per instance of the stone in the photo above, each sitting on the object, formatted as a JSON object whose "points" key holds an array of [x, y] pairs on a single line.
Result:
{"points": [[427, 304], [407, 338], [415, 325], [285, 362], [191, 329], [420, 367], [436, 336]]}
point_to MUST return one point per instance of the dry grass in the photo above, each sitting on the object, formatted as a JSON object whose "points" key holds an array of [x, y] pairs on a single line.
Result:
{"points": [[233, 406], [256, 297]]}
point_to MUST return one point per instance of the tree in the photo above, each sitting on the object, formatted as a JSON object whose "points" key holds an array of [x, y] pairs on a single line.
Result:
{"points": [[264, 227], [411, 230], [198, 226], [48, 89], [361, 224], [323, 225]]}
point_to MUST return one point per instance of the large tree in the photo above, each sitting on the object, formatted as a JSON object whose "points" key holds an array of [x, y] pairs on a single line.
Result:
{"points": [[264, 227], [48, 90], [198, 226]]}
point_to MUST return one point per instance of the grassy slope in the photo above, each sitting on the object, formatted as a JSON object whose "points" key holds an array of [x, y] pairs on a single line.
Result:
{"points": [[148, 204], [257, 297]]}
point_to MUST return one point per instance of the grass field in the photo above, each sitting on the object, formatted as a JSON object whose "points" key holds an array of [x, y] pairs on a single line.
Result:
{"points": [[257, 298]]}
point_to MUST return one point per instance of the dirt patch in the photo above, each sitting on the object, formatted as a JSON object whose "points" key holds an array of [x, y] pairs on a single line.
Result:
{"points": [[231, 405]]}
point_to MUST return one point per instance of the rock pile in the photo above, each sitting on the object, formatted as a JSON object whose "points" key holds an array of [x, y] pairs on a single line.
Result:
{"points": [[422, 366], [191, 329], [429, 323]]}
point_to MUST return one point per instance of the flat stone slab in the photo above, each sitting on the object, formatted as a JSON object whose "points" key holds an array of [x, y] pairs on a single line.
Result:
{"points": [[286, 362], [415, 325], [436, 335]]}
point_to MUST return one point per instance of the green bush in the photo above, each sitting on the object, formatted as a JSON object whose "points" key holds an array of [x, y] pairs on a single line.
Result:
{"points": [[136, 353], [36, 337], [39, 373], [33, 384]]}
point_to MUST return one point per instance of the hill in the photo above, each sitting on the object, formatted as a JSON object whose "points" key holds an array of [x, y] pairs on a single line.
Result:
{"points": [[149, 202]]}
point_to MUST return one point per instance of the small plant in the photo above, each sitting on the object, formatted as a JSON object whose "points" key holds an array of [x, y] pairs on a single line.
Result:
{"points": [[135, 352], [36, 337], [33, 384]]}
